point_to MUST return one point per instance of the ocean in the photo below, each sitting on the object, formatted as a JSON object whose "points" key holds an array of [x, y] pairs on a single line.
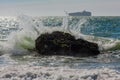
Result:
{"points": [[18, 35]]}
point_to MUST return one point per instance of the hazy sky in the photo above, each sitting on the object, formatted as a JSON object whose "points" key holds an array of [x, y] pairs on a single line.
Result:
{"points": [[57, 7]]}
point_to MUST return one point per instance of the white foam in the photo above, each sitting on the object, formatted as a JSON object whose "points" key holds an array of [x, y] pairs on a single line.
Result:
{"points": [[21, 72]]}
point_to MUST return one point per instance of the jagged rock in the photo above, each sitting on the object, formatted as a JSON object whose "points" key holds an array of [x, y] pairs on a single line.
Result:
{"points": [[60, 43]]}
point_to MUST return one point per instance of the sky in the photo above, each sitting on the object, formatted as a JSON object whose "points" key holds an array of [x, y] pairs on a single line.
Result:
{"points": [[57, 7]]}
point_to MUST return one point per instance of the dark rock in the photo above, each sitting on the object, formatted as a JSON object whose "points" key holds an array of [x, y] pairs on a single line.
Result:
{"points": [[60, 43]]}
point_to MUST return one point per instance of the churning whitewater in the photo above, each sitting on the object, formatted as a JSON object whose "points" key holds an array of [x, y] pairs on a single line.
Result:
{"points": [[17, 40]]}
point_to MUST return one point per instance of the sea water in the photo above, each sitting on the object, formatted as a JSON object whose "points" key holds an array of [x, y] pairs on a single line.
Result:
{"points": [[18, 35]]}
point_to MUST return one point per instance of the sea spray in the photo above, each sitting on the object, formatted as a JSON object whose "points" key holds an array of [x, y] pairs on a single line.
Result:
{"points": [[23, 39]]}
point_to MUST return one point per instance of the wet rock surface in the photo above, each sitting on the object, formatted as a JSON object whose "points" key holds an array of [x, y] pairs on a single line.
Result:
{"points": [[60, 43]]}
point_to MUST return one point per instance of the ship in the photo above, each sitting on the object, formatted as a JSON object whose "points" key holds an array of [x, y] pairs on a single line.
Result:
{"points": [[83, 13]]}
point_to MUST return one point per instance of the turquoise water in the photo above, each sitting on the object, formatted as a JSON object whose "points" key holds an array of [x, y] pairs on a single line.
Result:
{"points": [[103, 27]]}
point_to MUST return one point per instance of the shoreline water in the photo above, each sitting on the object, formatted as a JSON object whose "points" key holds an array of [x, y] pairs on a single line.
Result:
{"points": [[27, 72]]}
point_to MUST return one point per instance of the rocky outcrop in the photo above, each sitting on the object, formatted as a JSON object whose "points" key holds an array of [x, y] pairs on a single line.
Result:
{"points": [[60, 43]]}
